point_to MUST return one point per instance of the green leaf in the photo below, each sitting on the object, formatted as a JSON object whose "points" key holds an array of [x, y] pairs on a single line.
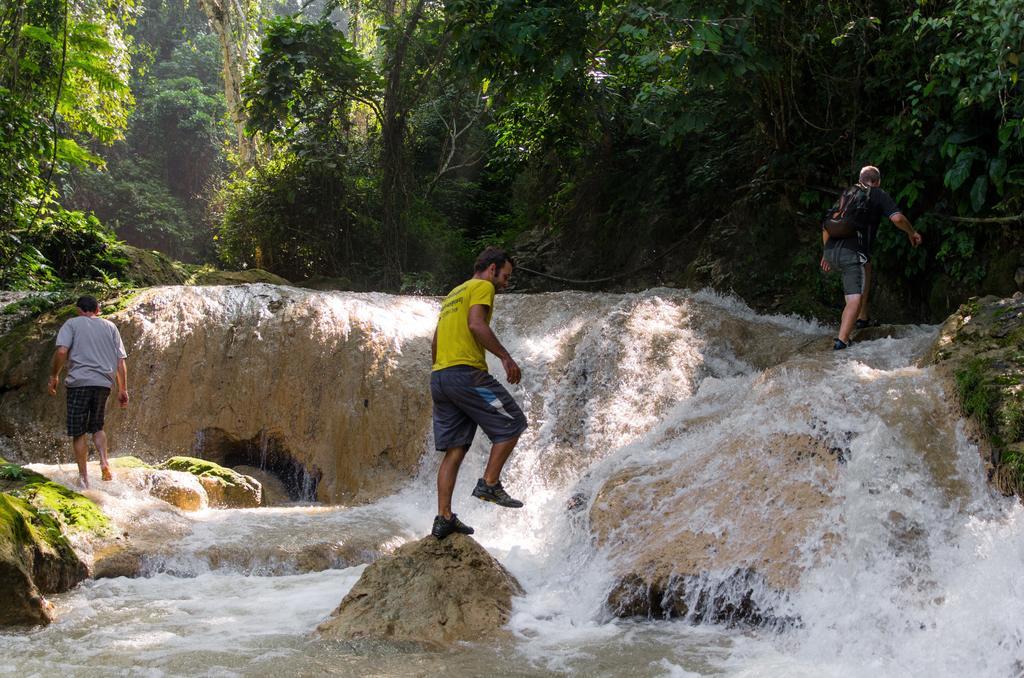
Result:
{"points": [[958, 173], [38, 34], [978, 193], [69, 151]]}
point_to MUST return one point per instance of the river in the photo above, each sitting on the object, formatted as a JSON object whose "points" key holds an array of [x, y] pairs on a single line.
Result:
{"points": [[911, 567]]}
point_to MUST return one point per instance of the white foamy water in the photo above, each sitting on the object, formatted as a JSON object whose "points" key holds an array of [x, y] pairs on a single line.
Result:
{"points": [[910, 566]]}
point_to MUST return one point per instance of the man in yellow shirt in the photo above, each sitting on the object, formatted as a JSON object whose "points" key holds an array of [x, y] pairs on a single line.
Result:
{"points": [[466, 396]]}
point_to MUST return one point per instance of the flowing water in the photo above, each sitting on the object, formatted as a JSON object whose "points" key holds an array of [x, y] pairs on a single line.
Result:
{"points": [[909, 567]]}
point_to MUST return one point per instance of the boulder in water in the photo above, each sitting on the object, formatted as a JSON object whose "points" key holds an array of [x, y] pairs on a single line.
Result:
{"points": [[274, 491], [704, 539], [36, 557], [177, 488], [433, 592], [224, 488]]}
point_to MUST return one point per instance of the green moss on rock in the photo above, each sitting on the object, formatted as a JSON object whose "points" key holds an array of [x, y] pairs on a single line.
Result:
{"points": [[35, 558], [147, 268], [224, 487], [200, 467], [982, 344], [252, 275], [75, 512], [128, 462]]}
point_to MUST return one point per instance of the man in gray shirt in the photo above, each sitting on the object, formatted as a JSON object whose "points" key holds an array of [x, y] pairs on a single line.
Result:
{"points": [[92, 348]]}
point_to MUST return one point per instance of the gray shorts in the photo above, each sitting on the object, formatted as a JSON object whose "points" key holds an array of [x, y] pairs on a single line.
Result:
{"points": [[466, 397], [849, 263]]}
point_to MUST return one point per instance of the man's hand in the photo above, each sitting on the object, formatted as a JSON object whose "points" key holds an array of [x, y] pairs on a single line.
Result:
{"points": [[914, 238], [122, 398], [512, 373], [824, 265], [51, 386]]}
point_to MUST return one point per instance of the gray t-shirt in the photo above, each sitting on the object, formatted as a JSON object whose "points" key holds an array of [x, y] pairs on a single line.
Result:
{"points": [[95, 347]]}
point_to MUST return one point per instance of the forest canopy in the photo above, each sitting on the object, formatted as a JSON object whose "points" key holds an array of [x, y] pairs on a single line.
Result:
{"points": [[378, 144]]}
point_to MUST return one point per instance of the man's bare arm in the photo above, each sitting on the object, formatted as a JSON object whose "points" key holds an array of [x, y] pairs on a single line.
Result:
{"points": [[60, 358], [477, 322], [433, 348], [122, 382], [902, 223], [824, 241]]}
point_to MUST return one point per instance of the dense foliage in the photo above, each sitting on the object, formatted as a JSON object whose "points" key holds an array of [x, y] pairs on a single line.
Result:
{"points": [[63, 82], [383, 142]]}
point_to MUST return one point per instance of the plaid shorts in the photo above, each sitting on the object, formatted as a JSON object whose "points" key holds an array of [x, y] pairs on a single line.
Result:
{"points": [[85, 409]]}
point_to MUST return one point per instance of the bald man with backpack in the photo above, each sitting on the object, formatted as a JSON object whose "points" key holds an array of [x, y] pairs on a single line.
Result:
{"points": [[847, 234]]}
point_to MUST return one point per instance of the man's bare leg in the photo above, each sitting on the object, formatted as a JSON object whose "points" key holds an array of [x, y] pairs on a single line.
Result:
{"points": [[499, 455], [863, 312], [80, 446], [100, 440], [849, 317], [446, 477]]}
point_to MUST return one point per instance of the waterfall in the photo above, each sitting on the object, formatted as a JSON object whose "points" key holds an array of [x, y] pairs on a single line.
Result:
{"points": [[708, 491]]}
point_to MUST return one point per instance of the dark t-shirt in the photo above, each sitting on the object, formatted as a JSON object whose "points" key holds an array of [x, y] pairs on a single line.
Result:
{"points": [[880, 205]]}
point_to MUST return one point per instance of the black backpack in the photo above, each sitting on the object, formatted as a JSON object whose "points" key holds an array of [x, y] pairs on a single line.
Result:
{"points": [[849, 214]]}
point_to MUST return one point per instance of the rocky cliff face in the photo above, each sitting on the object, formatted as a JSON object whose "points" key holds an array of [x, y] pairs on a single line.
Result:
{"points": [[328, 390]]}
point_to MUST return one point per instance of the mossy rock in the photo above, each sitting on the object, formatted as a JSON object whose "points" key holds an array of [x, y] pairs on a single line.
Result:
{"points": [[129, 462], [35, 558], [26, 350], [224, 487], [148, 268], [74, 512], [327, 284], [982, 345], [252, 275]]}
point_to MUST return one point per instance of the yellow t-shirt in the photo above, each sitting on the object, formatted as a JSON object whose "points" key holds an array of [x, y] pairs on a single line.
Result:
{"points": [[456, 345]]}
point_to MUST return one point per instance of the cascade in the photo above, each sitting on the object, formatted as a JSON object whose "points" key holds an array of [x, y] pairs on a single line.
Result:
{"points": [[709, 491]]}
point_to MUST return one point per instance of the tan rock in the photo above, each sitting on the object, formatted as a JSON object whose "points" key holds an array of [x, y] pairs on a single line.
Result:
{"points": [[117, 560], [759, 525], [274, 491], [429, 592], [178, 489], [224, 487], [333, 383]]}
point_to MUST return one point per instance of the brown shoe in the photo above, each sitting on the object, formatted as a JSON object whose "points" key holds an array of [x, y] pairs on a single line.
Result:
{"points": [[106, 473]]}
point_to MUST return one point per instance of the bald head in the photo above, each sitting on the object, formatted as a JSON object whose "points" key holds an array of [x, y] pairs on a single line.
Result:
{"points": [[870, 176]]}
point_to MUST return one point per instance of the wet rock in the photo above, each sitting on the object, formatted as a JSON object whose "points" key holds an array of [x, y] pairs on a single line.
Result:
{"points": [[726, 600], [224, 488], [335, 379], [979, 351], [177, 488], [274, 491], [433, 592], [117, 560], [279, 559], [668, 565], [35, 559]]}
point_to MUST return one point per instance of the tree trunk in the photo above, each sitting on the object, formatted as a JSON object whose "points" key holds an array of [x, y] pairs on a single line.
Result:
{"points": [[394, 164], [230, 22]]}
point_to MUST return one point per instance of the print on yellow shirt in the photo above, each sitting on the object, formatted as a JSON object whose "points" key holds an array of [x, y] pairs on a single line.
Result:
{"points": [[456, 345]]}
